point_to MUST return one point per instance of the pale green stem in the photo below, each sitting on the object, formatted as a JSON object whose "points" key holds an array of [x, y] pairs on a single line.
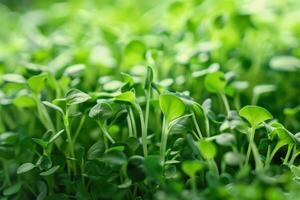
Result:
{"points": [[193, 184], [104, 131], [147, 115], [6, 172], [225, 101], [70, 143], [133, 122], [290, 148], [294, 155], [144, 132], [253, 147], [129, 126], [196, 125], [82, 120], [164, 138]]}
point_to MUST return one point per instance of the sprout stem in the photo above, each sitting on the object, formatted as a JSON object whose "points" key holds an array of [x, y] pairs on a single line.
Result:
{"points": [[133, 122], [164, 138], [70, 142], [143, 129], [290, 148], [129, 126], [252, 146], [104, 131], [225, 101], [196, 125]]}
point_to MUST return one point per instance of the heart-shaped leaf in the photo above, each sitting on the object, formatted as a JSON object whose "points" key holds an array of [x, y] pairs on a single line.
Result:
{"points": [[255, 114], [207, 149], [191, 167], [215, 82], [37, 83], [171, 106]]}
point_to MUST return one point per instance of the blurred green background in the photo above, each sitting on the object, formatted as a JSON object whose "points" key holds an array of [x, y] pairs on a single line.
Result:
{"points": [[257, 41]]}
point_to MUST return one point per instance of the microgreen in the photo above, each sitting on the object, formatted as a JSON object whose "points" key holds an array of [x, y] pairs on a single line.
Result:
{"points": [[149, 100]]}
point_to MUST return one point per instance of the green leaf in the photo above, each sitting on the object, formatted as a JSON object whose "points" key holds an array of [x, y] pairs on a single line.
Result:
{"points": [[24, 102], [127, 97], [207, 149], [191, 167], [53, 106], [115, 157], [153, 167], [12, 189], [285, 63], [42, 143], [171, 106], [44, 162], [56, 136], [233, 158], [225, 139], [128, 79], [14, 78], [135, 168], [74, 69], [283, 135], [37, 83], [255, 115], [101, 111], [149, 77], [25, 168], [295, 170], [75, 96], [42, 188], [96, 150], [215, 82], [51, 171]]}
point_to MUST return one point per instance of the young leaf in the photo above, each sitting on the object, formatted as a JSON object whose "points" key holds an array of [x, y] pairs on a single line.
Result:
{"points": [[153, 167], [101, 111], [41, 142], [215, 82], [51, 171], [295, 170], [37, 83], [14, 78], [24, 102], [25, 168], [149, 77], [51, 105], [115, 157], [127, 97], [255, 115], [171, 106], [135, 169], [207, 149], [75, 96], [12, 189], [191, 167], [96, 150], [74, 69], [233, 158]]}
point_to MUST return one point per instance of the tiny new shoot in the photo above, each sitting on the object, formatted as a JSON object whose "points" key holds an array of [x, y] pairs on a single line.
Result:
{"points": [[255, 115], [172, 108], [215, 83]]}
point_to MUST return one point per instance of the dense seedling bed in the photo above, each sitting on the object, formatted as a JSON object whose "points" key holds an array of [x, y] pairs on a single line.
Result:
{"points": [[174, 100]]}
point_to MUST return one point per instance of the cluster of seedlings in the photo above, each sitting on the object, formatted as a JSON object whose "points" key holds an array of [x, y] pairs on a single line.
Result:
{"points": [[141, 141]]}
